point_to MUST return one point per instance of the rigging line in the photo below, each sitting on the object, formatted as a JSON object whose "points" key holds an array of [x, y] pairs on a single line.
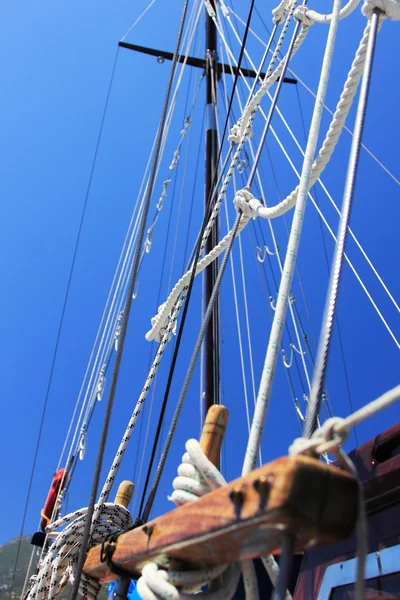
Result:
{"points": [[286, 326], [372, 155], [169, 381], [278, 257], [330, 198], [66, 297], [291, 253], [239, 62], [138, 19], [144, 512], [305, 336], [132, 221], [337, 264], [190, 370], [124, 324], [196, 91], [225, 96], [364, 147], [346, 375], [267, 293], [334, 237], [213, 210], [122, 280], [235, 296], [180, 206]]}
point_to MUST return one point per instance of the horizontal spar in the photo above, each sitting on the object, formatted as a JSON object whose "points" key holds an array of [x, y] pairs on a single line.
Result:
{"points": [[248, 517], [194, 61]]}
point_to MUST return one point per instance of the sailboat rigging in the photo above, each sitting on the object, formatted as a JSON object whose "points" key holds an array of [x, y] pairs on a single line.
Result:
{"points": [[293, 503]]}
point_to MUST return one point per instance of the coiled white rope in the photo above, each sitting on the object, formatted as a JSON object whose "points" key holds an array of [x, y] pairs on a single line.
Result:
{"points": [[196, 476], [59, 564]]}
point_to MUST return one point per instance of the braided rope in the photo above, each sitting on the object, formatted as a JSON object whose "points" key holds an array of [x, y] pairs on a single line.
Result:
{"points": [[60, 563]]}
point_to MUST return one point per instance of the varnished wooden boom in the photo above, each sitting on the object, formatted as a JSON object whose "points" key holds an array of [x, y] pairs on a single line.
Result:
{"points": [[244, 519]]}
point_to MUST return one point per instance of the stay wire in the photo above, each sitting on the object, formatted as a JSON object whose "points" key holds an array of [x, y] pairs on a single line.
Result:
{"points": [[170, 376], [346, 374], [125, 318], [66, 297], [214, 188], [190, 370], [325, 339]]}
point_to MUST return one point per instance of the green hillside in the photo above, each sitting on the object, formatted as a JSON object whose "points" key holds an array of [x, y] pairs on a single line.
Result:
{"points": [[8, 553]]}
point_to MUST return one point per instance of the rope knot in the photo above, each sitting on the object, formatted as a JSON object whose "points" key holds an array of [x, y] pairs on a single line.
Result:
{"points": [[245, 201], [390, 8], [238, 133], [279, 13], [302, 14], [328, 438], [196, 476]]}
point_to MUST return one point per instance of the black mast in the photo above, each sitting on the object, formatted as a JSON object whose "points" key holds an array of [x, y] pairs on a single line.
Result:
{"points": [[211, 343]]}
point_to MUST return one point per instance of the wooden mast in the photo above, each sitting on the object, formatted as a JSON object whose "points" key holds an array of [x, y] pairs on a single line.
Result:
{"points": [[211, 342]]}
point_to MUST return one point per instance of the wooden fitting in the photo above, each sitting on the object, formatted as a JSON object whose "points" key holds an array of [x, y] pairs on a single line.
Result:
{"points": [[124, 493]]}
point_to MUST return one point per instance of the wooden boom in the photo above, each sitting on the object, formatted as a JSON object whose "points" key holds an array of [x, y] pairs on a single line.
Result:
{"points": [[314, 502]]}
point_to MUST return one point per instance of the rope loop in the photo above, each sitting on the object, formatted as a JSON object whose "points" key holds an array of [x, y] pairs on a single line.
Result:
{"points": [[302, 14], [279, 13], [245, 201], [239, 134], [330, 437], [390, 8]]}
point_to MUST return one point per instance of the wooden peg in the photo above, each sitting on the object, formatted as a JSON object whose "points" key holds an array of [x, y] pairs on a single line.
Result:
{"points": [[213, 432], [124, 493]]}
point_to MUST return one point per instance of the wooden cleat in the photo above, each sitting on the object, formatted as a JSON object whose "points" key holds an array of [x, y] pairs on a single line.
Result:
{"points": [[300, 496]]}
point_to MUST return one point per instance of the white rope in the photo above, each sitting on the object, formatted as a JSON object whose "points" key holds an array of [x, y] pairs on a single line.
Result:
{"points": [[162, 316], [290, 259], [196, 476], [245, 121], [255, 205], [325, 222], [330, 438], [159, 321], [355, 272], [330, 198], [59, 564], [334, 431], [390, 8], [312, 16], [334, 131]]}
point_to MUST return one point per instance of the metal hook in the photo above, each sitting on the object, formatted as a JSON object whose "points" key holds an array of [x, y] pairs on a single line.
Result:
{"points": [[270, 252], [284, 358], [82, 445], [272, 303], [260, 254], [174, 160], [149, 240], [118, 330], [101, 384]]}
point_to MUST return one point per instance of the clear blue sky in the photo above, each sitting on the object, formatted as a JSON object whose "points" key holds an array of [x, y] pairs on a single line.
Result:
{"points": [[55, 70]]}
